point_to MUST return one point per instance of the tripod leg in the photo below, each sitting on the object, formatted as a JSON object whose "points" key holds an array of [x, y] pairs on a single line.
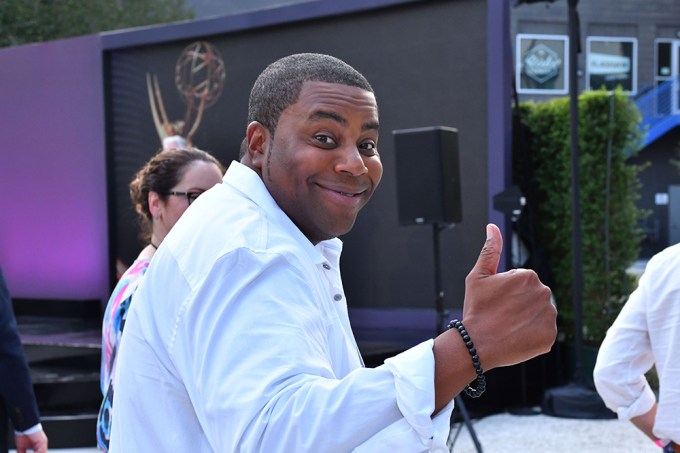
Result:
{"points": [[460, 404]]}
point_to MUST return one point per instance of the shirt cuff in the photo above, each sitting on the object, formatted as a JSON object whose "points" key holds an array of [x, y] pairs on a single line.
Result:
{"points": [[32, 430], [641, 405], [413, 372]]}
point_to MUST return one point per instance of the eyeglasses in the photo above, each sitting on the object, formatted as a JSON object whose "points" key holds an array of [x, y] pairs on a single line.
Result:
{"points": [[191, 196]]}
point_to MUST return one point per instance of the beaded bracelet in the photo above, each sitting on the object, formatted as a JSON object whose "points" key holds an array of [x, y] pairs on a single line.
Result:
{"points": [[481, 380]]}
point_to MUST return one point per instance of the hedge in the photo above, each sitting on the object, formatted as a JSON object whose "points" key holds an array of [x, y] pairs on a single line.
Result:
{"points": [[609, 133]]}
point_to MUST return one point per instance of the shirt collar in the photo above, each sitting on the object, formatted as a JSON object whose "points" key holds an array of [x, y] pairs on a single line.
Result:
{"points": [[249, 183]]}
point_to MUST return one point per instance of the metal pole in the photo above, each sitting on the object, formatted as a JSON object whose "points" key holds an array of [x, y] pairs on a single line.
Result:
{"points": [[574, 40], [439, 292], [441, 316]]}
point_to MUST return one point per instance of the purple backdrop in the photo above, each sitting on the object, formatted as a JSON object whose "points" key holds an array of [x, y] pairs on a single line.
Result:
{"points": [[53, 229]]}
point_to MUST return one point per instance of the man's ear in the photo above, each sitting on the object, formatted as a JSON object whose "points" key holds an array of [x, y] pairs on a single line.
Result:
{"points": [[257, 136]]}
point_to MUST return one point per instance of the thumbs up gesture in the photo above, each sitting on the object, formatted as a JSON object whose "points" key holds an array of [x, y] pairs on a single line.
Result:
{"points": [[509, 315]]}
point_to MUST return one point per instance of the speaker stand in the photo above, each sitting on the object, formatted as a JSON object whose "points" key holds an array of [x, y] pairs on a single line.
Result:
{"points": [[441, 320]]}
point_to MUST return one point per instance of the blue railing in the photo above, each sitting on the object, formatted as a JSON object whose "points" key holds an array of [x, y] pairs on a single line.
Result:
{"points": [[660, 109]]}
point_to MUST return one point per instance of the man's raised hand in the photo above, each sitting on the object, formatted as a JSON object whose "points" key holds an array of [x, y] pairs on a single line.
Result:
{"points": [[509, 315]]}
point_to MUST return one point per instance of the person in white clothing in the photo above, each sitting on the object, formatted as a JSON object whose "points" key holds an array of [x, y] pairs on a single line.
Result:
{"points": [[239, 338], [645, 334]]}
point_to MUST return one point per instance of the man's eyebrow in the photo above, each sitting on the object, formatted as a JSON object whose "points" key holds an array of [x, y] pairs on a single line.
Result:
{"points": [[372, 125], [327, 115]]}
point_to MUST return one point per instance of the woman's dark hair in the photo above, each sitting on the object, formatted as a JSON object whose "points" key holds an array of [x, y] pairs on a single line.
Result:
{"points": [[160, 174], [280, 84]]}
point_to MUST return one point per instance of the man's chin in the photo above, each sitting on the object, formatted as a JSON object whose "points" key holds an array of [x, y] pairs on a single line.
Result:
{"points": [[345, 230]]}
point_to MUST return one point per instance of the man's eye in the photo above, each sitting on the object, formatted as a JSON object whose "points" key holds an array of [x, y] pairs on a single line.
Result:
{"points": [[369, 148], [325, 139]]}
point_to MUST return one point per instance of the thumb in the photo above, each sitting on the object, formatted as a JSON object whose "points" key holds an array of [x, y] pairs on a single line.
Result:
{"points": [[490, 256]]}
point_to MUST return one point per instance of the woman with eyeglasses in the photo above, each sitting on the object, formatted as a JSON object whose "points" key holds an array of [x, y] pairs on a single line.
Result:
{"points": [[161, 191]]}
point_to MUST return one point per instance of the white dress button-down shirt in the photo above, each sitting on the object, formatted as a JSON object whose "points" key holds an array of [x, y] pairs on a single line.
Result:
{"points": [[646, 333], [238, 339]]}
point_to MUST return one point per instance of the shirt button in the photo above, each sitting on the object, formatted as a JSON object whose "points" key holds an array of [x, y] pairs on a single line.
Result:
{"points": [[326, 266], [337, 297]]}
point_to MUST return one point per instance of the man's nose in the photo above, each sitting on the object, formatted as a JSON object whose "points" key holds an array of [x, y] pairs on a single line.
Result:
{"points": [[350, 160]]}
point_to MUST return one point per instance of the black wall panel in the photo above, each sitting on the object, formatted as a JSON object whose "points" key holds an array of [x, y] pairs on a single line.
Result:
{"points": [[427, 63]]}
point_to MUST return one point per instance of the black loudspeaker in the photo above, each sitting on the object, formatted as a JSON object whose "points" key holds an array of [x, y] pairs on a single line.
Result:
{"points": [[428, 175]]}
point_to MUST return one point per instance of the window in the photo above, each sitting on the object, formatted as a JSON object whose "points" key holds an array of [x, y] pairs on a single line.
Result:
{"points": [[611, 62], [662, 60], [542, 64]]}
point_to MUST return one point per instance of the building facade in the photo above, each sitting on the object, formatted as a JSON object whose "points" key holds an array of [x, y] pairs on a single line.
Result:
{"points": [[633, 44]]}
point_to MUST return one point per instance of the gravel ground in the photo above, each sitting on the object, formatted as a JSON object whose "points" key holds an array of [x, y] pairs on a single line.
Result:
{"points": [[503, 433], [506, 433]]}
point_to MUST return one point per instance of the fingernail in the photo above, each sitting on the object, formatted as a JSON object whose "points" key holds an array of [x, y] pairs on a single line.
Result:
{"points": [[488, 232]]}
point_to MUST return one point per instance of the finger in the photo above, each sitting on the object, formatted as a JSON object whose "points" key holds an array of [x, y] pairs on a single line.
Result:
{"points": [[490, 256]]}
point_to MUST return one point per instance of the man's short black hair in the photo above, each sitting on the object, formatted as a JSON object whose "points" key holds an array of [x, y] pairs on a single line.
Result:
{"points": [[280, 84]]}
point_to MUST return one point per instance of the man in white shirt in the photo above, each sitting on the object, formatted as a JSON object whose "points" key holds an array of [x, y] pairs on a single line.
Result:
{"points": [[646, 333], [239, 339]]}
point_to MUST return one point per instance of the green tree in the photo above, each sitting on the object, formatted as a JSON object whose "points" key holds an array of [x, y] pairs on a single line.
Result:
{"points": [[28, 21]]}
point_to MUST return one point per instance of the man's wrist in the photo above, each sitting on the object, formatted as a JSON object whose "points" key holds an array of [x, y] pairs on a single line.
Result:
{"points": [[32, 430]]}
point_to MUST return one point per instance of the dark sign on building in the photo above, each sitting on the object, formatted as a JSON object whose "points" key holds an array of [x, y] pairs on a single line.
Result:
{"points": [[611, 62], [542, 66]]}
